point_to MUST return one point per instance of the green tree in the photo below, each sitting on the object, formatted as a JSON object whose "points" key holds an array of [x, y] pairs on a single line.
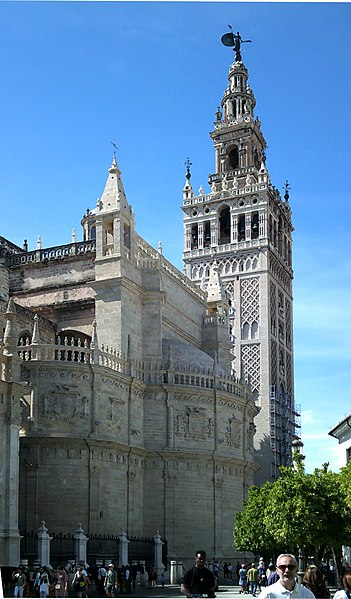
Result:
{"points": [[345, 478], [309, 511]]}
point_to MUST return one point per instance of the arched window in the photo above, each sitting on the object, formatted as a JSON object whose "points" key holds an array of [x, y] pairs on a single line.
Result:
{"points": [[233, 158], [224, 225], [93, 232], [245, 331], [256, 160], [241, 227], [107, 249], [126, 230], [194, 236], [254, 330], [24, 338], [207, 233], [254, 225]]}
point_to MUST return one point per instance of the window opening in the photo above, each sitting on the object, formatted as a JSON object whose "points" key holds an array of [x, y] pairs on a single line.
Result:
{"points": [[241, 227], [207, 233], [254, 225], [234, 158], [127, 236], [224, 225], [194, 237]]}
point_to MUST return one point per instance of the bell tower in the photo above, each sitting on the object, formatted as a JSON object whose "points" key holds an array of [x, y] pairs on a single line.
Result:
{"points": [[243, 228]]}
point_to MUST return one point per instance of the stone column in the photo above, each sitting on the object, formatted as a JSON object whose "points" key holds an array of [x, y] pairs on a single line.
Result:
{"points": [[123, 548], [179, 572], [44, 540], [173, 577], [217, 166], [80, 544], [200, 236], [170, 416], [248, 226], [158, 565], [263, 224], [214, 231], [187, 238], [233, 228]]}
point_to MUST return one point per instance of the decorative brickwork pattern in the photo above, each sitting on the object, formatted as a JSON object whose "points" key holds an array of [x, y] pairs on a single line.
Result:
{"points": [[274, 362], [273, 308], [288, 323], [250, 300], [289, 373], [250, 356]]}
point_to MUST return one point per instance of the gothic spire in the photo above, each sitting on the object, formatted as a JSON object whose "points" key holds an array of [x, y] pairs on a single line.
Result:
{"points": [[114, 196]]}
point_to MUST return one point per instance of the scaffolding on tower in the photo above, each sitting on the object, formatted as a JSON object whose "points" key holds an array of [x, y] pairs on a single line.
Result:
{"points": [[285, 421]]}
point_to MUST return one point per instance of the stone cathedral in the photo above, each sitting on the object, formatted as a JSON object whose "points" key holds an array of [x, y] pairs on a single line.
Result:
{"points": [[131, 392]]}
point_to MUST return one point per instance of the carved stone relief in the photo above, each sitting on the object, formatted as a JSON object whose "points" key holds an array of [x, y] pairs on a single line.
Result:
{"points": [[194, 424], [233, 433], [64, 403], [114, 412]]}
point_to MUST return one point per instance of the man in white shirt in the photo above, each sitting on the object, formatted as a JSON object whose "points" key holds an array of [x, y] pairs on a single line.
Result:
{"points": [[286, 587]]}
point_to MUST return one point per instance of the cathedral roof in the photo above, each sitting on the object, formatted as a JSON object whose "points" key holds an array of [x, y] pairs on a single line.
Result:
{"points": [[179, 355]]}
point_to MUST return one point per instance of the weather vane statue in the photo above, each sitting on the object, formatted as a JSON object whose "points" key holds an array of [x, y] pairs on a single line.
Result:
{"points": [[230, 39]]}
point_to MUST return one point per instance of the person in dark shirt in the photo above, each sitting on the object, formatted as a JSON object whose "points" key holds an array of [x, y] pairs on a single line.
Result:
{"points": [[199, 581], [272, 578]]}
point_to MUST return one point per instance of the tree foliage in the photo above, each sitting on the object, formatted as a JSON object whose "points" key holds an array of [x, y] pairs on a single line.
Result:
{"points": [[311, 511]]}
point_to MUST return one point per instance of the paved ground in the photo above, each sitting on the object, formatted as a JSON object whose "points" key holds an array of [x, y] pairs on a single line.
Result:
{"points": [[158, 592], [168, 591]]}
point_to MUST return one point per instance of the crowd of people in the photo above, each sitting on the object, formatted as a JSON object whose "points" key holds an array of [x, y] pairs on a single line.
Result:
{"points": [[276, 581], [82, 581]]}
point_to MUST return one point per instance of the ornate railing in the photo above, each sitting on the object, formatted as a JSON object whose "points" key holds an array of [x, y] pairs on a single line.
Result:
{"points": [[53, 253], [226, 247], [148, 372]]}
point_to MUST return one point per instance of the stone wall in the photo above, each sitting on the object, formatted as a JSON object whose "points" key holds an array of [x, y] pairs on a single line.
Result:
{"points": [[126, 421]]}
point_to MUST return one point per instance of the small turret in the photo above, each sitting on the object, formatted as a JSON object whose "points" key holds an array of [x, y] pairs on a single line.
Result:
{"points": [[217, 298], [216, 340], [10, 334], [114, 218], [11, 362], [114, 196]]}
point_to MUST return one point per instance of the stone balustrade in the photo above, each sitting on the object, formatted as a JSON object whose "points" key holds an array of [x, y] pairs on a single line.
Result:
{"points": [[148, 372], [226, 248], [53, 253]]}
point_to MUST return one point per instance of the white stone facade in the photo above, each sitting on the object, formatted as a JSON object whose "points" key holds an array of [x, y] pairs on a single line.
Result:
{"points": [[117, 404], [130, 393], [243, 228]]}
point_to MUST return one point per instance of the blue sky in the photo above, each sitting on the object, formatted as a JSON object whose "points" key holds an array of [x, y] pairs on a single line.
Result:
{"points": [[76, 75]]}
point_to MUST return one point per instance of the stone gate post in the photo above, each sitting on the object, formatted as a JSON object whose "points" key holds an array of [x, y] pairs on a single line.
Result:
{"points": [[123, 548], [44, 541], [158, 565], [80, 544]]}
